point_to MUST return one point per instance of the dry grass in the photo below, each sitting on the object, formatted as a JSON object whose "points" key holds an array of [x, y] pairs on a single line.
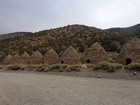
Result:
{"points": [[74, 67], [14, 67], [63, 66], [91, 65], [133, 66], [110, 67], [55, 66]]}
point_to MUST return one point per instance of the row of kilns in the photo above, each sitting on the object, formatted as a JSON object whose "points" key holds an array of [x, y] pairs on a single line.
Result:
{"points": [[51, 57], [94, 54]]}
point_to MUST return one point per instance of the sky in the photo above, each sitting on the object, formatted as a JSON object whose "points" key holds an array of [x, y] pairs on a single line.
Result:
{"points": [[37, 15]]}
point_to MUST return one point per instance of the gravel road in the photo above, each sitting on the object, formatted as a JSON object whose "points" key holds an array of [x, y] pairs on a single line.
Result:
{"points": [[44, 89]]}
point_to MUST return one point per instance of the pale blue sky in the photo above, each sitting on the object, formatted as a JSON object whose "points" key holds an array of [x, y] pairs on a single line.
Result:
{"points": [[36, 15]]}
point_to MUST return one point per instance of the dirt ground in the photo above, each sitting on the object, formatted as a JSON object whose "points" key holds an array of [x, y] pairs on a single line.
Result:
{"points": [[30, 88], [118, 74]]}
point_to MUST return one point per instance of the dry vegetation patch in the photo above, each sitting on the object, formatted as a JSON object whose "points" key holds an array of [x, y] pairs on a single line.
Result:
{"points": [[110, 67], [14, 67], [133, 66]]}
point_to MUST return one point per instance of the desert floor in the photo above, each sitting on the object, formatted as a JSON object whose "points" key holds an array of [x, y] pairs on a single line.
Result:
{"points": [[24, 88]]}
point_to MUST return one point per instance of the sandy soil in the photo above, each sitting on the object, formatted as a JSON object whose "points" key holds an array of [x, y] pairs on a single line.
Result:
{"points": [[118, 74], [22, 88]]}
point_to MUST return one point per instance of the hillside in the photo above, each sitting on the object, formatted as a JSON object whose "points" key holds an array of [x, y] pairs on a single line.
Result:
{"points": [[78, 36], [15, 34], [128, 31]]}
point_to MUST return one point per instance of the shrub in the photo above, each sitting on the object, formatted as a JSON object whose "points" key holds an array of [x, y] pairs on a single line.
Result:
{"points": [[83, 66], [114, 66], [55, 66], [32, 66], [135, 66], [103, 65], [63, 66], [14, 67], [42, 67], [110, 67], [74, 67], [23, 67], [118, 66], [91, 65]]}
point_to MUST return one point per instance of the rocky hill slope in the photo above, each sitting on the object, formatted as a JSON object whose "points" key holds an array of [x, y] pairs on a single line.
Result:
{"points": [[128, 31], [15, 34]]}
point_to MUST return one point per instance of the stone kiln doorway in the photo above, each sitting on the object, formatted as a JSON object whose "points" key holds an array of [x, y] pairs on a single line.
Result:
{"points": [[128, 61], [62, 62], [88, 61]]}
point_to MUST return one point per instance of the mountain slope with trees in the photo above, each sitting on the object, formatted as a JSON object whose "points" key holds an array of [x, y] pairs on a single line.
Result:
{"points": [[12, 35], [128, 31]]}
